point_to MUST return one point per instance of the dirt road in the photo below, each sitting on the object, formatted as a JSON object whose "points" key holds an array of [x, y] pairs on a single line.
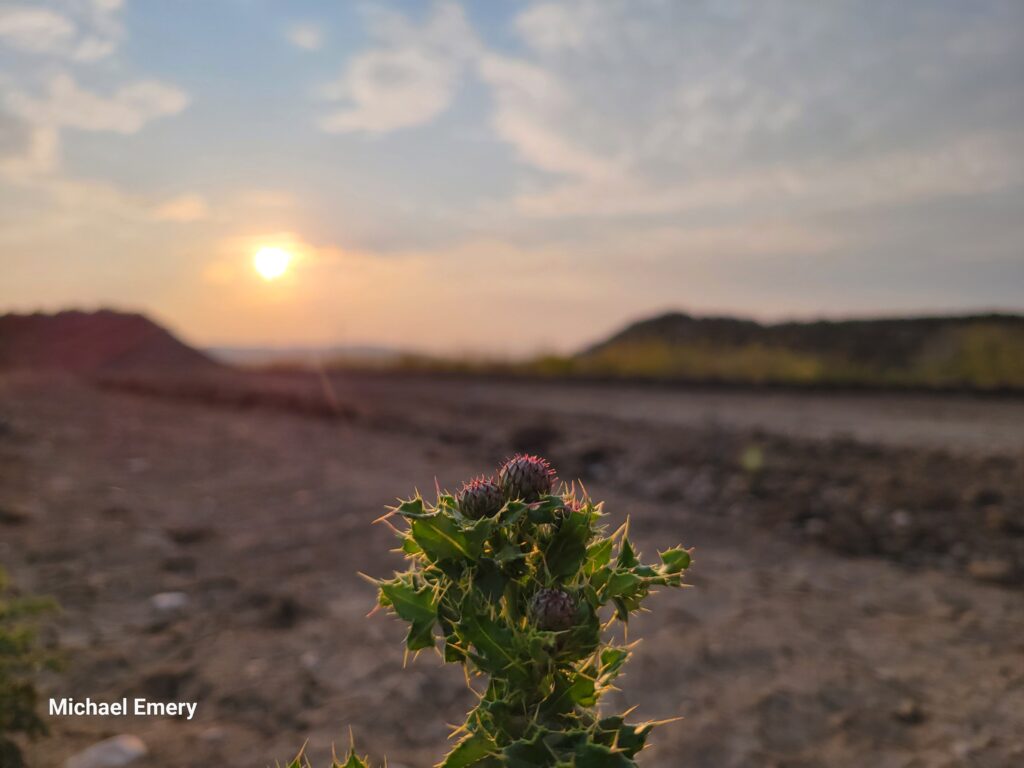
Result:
{"points": [[954, 422], [784, 654]]}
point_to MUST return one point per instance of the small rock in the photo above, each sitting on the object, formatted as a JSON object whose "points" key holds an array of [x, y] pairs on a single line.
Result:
{"points": [[995, 519], [110, 753], [12, 516], [165, 683], [901, 519], [909, 712], [984, 497], [166, 602], [186, 535], [283, 612], [75, 639], [213, 734], [990, 569], [815, 527], [182, 564], [534, 438]]}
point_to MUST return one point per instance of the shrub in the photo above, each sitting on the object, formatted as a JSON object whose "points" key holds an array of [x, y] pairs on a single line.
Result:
{"points": [[525, 597], [20, 660]]}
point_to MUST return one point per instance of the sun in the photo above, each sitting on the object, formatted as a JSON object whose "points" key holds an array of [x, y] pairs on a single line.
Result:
{"points": [[271, 262]]}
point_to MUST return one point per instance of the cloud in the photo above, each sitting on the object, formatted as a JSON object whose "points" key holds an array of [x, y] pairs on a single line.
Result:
{"points": [[15, 135], [972, 165], [85, 31], [36, 104], [127, 110], [35, 30], [27, 151], [183, 209], [530, 107], [647, 108], [554, 27], [305, 35], [407, 79]]}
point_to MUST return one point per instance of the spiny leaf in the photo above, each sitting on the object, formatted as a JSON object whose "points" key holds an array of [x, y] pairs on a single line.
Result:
{"points": [[675, 560], [441, 538], [409, 603], [470, 751], [568, 548]]}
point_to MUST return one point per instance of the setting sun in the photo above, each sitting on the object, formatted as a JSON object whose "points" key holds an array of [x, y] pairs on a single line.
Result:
{"points": [[271, 262]]}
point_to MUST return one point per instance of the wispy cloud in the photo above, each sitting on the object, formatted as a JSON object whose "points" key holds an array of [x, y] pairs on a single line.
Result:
{"points": [[59, 40], [531, 107], [183, 209], [407, 78], [650, 108], [126, 110], [82, 31], [36, 30], [305, 35]]}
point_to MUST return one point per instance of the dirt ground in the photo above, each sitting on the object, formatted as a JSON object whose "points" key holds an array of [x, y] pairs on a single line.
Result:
{"points": [[856, 593]]}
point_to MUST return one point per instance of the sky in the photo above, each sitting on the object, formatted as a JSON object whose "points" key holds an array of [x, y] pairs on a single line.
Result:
{"points": [[508, 177]]}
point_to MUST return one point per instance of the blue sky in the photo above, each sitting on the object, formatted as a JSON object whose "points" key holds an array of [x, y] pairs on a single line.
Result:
{"points": [[508, 176]]}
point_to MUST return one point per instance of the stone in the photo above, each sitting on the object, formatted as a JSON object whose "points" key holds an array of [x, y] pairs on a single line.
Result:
{"points": [[909, 712], [167, 602], [111, 753], [14, 516], [990, 569]]}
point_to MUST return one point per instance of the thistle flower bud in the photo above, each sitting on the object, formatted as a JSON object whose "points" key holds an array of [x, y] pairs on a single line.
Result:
{"points": [[480, 497], [526, 477], [553, 610]]}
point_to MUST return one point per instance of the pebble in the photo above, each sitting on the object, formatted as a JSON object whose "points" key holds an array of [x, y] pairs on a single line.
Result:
{"points": [[111, 753], [213, 734], [990, 569], [909, 712], [169, 601]]}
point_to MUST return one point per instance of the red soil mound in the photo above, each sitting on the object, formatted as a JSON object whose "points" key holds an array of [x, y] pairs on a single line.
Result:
{"points": [[93, 342]]}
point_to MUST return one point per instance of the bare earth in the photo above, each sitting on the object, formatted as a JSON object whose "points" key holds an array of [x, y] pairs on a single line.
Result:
{"points": [[857, 595]]}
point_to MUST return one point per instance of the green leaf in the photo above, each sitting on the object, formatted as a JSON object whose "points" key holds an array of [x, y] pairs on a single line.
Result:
{"points": [[512, 512], [620, 583], [441, 538], [490, 580], [612, 660], [675, 560], [420, 636], [410, 547], [470, 751], [599, 756], [353, 761], [627, 555], [599, 555], [584, 691], [493, 642], [418, 607], [413, 508], [630, 739], [508, 553], [561, 700], [568, 548], [409, 603], [532, 753]]}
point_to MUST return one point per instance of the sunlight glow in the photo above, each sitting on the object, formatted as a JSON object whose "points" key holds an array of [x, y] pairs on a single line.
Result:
{"points": [[271, 262]]}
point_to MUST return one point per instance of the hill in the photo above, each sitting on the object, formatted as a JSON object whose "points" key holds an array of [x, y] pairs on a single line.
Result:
{"points": [[94, 342], [974, 351]]}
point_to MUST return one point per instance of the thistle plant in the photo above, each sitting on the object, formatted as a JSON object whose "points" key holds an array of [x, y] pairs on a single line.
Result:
{"points": [[519, 581]]}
